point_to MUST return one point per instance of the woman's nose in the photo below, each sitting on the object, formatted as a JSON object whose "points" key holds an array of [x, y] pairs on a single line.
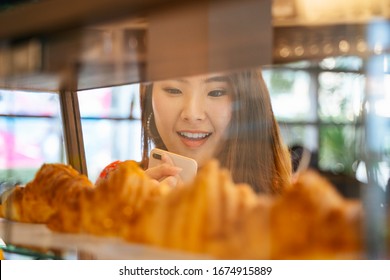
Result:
{"points": [[193, 109]]}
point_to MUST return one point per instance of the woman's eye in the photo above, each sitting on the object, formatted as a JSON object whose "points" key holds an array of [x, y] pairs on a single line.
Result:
{"points": [[172, 90], [217, 93]]}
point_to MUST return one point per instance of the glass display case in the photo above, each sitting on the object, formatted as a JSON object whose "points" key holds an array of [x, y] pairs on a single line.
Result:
{"points": [[87, 62]]}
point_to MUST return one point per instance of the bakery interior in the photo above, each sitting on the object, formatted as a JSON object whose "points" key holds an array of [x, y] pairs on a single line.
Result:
{"points": [[70, 77]]}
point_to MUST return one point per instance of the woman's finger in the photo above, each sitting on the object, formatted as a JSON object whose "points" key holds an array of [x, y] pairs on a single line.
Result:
{"points": [[161, 171], [170, 181], [166, 159]]}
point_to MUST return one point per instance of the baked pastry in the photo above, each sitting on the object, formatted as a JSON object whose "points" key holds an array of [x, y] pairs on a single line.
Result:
{"points": [[51, 187], [216, 217], [311, 220], [196, 217], [112, 207]]}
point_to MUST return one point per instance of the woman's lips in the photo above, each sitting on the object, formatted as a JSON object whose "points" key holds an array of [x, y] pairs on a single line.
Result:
{"points": [[193, 139]]}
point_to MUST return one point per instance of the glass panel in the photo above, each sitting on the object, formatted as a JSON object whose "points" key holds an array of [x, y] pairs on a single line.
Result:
{"points": [[111, 126], [29, 103], [108, 140], [304, 135], [289, 87], [340, 148], [95, 102], [27, 143], [340, 96], [348, 63], [114, 102]]}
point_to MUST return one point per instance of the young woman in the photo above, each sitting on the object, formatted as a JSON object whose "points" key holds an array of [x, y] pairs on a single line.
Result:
{"points": [[227, 116]]}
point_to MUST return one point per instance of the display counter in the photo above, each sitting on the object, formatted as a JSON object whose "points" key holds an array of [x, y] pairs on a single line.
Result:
{"points": [[36, 241]]}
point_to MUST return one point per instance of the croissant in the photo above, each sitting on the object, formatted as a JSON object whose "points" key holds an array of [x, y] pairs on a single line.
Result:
{"points": [[196, 217], [113, 206], [310, 220], [51, 187]]}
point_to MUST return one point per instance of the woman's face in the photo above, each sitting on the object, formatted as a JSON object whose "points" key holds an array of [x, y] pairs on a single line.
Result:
{"points": [[192, 114]]}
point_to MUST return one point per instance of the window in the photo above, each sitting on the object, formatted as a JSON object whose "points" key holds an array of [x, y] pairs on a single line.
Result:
{"points": [[111, 126], [319, 106], [30, 133]]}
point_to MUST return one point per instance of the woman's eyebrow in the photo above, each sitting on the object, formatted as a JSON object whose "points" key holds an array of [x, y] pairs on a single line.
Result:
{"points": [[216, 79], [181, 81], [207, 80]]}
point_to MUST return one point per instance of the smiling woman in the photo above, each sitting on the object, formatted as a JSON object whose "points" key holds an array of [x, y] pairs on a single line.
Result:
{"points": [[227, 116], [192, 115]]}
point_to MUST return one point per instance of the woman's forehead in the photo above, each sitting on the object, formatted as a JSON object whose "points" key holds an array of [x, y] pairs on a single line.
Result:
{"points": [[205, 78]]}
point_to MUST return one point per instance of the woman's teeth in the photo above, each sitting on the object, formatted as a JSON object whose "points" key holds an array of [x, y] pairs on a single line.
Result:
{"points": [[195, 136]]}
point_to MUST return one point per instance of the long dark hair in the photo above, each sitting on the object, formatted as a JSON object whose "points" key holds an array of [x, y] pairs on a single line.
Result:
{"points": [[253, 150]]}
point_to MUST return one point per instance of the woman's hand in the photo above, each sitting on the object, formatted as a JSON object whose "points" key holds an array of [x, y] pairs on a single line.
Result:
{"points": [[165, 172]]}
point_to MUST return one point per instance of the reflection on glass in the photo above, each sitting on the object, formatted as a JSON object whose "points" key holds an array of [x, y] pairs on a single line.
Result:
{"points": [[28, 103], [304, 135], [111, 125], [27, 143], [113, 102], [107, 140], [344, 63], [30, 133], [340, 148], [289, 87], [340, 96]]}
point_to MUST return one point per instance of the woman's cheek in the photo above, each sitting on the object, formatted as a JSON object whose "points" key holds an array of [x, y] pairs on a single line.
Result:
{"points": [[161, 107], [223, 114]]}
